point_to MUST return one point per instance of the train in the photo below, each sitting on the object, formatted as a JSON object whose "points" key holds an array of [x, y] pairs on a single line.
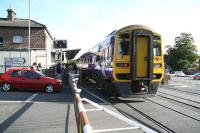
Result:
{"points": [[128, 63]]}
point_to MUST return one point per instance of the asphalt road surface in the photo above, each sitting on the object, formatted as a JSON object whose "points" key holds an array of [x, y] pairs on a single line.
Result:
{"points": [[35, 112]]}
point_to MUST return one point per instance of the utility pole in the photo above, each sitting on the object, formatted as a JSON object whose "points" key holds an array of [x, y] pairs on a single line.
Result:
{"points": [[29, 39]]}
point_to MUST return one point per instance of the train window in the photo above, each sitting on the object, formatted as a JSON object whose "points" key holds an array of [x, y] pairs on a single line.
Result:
{"points": [[157, 50], [123, 47], [109, 51], [156, 37], [91, 59], [124, 35], [97, 58]]}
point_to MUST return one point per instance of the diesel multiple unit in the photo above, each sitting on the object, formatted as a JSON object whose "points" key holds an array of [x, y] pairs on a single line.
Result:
{"points": [[128, 62]]}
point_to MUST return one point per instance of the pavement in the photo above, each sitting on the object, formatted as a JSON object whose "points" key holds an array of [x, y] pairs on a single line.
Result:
{"points": [[37, 112]]}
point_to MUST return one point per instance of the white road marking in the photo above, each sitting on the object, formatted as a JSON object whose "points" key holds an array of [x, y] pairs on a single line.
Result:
{"points": [[31, 97], [28, 100]]}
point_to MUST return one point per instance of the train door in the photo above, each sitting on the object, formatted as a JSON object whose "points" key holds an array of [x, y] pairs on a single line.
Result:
{"points": [[142, 55], [142, 43]]}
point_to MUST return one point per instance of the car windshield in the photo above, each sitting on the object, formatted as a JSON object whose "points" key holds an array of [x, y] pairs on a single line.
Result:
{"points": [[178, 72], [41, 74]]}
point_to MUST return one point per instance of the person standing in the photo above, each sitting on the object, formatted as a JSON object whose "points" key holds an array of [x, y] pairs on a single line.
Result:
{"points": [[39, 67], [58, 71], [34, 66]]}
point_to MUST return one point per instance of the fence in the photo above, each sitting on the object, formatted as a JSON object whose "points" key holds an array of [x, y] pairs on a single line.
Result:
{"points": [[82, 120]]}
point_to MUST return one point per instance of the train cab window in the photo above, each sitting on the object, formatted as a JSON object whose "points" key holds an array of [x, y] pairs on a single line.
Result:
{"points": [[123, 47], [97, 58], [124, 35], [156, 37], [157, 50]]}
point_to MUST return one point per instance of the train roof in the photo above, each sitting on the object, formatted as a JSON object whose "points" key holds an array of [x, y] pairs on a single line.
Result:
{"points": [[113, 33], [137, 27]]}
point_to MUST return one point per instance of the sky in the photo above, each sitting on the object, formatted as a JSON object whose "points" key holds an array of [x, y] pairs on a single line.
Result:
{"points": [[84, 23]]}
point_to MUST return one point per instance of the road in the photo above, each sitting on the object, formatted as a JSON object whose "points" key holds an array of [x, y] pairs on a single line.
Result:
{"points": [[35, 112]]}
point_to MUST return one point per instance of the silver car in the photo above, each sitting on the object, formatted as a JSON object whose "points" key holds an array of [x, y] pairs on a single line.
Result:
{"points": [[179, 74]]}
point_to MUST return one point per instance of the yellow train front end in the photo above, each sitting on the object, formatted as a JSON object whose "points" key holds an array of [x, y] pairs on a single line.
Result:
{"points": [[138, 65]]}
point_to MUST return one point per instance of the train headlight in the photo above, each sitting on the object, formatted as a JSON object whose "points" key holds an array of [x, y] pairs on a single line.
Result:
{"points": [[157, 65]]}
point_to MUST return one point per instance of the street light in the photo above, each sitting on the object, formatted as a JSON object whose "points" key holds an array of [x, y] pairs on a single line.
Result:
{"points": [[29, 33]]}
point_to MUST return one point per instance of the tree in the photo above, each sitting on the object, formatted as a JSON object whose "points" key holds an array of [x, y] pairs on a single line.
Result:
{"points": [[183, 54]]}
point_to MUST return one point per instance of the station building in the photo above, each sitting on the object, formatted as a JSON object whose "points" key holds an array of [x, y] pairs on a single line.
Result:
{"points": [[14, 37]]}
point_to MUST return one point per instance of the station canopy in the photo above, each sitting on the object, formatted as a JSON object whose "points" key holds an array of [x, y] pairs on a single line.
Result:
{"points": [[70, 54]]}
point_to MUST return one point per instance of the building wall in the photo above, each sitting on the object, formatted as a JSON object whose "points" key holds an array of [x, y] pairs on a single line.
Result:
{"points": [[12, 54], [49, 48], [37, 38], [41, 47], [38, 56]]}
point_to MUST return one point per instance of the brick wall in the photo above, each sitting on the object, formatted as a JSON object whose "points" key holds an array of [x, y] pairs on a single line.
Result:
{"points": [[37, 38]]}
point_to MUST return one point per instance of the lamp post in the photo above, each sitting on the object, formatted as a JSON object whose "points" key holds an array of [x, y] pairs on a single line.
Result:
{"points": [[29, 39]]}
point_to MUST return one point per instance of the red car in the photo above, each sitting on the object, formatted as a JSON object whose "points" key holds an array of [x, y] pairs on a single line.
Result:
{"points": [[196, 76], [22, 78]]}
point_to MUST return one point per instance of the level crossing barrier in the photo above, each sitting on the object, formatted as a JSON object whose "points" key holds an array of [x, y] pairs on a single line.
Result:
{"points": [[82, 120]]}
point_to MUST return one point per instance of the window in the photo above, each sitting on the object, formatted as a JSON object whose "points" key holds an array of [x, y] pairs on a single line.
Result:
{"points": [[15, 73], [98, 58], [90, 59], [40, 73], [17, 39], [155, 37], [157, 50], [1, 41], [110, 51], [123, 47], [29, 74]]}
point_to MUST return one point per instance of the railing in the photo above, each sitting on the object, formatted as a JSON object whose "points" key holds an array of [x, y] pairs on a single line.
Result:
{"points": [[83, 123]]}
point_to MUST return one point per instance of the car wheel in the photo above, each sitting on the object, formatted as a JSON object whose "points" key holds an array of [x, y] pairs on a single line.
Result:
{"points": [[6, 87], [49, 88]]}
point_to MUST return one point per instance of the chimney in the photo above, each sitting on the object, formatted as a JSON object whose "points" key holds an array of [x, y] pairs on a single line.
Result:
{"points": [[11, 14]]}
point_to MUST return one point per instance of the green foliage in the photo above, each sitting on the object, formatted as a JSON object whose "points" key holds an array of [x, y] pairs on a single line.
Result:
{"points": [[183, 53], [183, 64]]}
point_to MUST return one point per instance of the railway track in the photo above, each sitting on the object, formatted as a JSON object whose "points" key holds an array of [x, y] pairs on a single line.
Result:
{"points": [[162, 127], [167, 129], [175, 110], [138, 113], [178, 98], [178, 90]]}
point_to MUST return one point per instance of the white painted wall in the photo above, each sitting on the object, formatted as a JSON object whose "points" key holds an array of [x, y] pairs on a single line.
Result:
{"points": [[49, 48], [6, 54]]}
